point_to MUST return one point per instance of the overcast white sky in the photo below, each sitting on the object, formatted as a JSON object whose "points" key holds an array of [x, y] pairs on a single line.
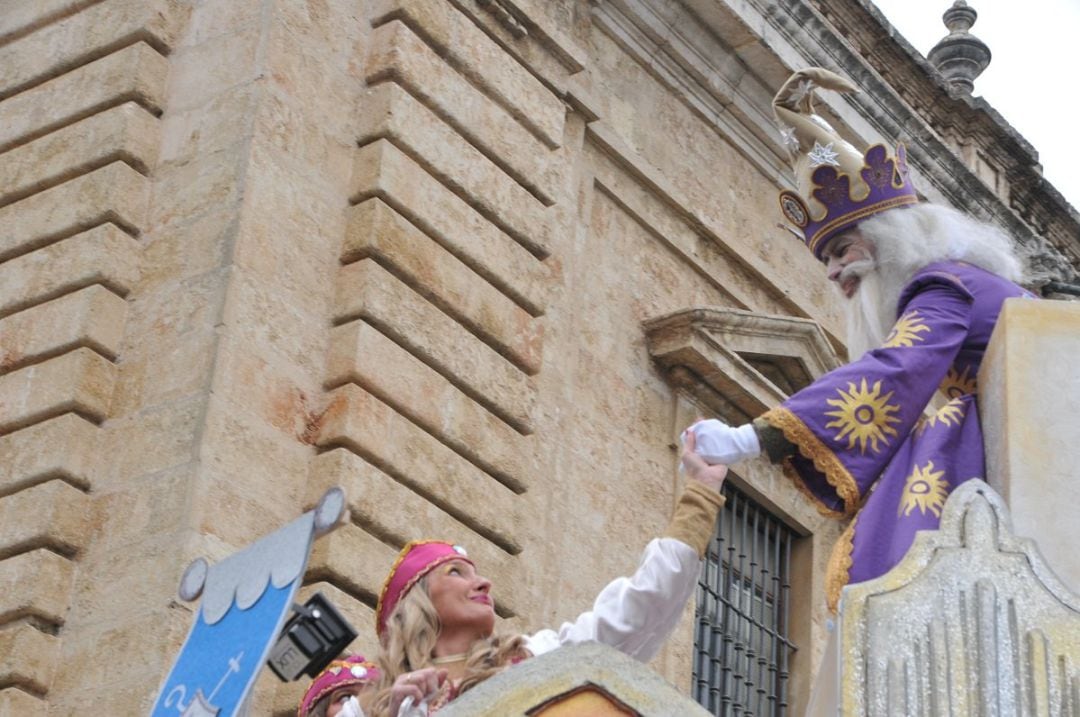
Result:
{"points": [[1031, 78]]}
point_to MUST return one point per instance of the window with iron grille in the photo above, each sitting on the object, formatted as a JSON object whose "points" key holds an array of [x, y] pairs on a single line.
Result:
{"points": [[741, 644]]}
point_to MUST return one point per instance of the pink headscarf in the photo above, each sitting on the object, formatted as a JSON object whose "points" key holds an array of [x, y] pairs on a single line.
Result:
{"points": [[416, 559], [352, 670]]}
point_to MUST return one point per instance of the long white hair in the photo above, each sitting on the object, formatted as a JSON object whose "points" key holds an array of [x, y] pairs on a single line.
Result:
{"points": [[905, 240]]}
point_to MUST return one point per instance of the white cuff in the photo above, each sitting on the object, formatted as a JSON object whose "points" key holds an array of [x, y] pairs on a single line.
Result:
{"points": [[747, 441]]}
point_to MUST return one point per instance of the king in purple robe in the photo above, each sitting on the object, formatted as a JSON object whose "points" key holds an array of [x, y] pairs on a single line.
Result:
{"points": [[924, 285]]}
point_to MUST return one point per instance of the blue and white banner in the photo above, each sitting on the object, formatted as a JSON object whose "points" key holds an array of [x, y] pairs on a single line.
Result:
{"points": [[246, 601]]}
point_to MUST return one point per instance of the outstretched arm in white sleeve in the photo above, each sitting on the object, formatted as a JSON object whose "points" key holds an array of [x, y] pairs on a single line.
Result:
{"points": [[636, 614]]}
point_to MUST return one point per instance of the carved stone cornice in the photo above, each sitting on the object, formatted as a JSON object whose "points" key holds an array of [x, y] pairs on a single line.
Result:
{"points": [[738, 363], [702, 70], [1035, 213], [727, 75]]}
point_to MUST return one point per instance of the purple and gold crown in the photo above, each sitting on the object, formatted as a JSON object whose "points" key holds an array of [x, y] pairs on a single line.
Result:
{"points": [[839, 186]]}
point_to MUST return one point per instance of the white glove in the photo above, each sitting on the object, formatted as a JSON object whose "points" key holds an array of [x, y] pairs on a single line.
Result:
{"points": [[351, 708], [408, 709], [717, 442]]}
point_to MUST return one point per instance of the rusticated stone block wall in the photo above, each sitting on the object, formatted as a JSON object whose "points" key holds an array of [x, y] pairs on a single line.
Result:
{"points": [[170, 220], [250, 249], [82, 91], [436, 335]]}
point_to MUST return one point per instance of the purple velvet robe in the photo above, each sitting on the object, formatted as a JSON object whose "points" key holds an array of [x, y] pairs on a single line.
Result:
{"points": [[864, 446]]}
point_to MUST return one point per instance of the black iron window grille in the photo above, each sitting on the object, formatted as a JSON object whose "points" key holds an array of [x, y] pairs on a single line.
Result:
{"points": [[741, 643]]}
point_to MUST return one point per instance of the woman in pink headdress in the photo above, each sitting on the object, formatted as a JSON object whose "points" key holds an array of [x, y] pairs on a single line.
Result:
{"points": [[436, 614], [335, 691]]}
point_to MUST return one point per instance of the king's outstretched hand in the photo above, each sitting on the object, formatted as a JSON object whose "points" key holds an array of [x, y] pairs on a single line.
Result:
{"points": [[717, 442]]}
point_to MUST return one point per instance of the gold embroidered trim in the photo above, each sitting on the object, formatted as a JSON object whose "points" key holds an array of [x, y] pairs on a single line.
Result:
{"points": [[827, 229], [836, 573], [793, 476], [810, 446]]}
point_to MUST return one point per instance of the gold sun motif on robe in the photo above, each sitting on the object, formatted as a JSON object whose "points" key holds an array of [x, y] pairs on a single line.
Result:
{"points": [[950, 415], [863, 416], [925, 489], [906, 330], [956, 384]]}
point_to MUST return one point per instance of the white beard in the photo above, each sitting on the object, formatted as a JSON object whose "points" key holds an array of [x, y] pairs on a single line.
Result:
{"points": [[871, 312], [906, 240]]}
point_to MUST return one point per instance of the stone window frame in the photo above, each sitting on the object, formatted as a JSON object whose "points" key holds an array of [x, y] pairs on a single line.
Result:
{"points": [[735, 364]]}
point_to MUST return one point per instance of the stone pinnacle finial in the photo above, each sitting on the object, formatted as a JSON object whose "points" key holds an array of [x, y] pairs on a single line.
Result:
{"points": [[960, 56]]}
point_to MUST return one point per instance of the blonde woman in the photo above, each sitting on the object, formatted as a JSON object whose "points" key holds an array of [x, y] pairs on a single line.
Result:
{"points": [[436, 613]]}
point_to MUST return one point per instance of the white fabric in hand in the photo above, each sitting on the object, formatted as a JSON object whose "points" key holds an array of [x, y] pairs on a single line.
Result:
{"points": [[717, 442], [351, 708], [408, 709]]}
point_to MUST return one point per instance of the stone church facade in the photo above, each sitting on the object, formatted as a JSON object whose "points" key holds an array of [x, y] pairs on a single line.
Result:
{"points": [[476, 261]]}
